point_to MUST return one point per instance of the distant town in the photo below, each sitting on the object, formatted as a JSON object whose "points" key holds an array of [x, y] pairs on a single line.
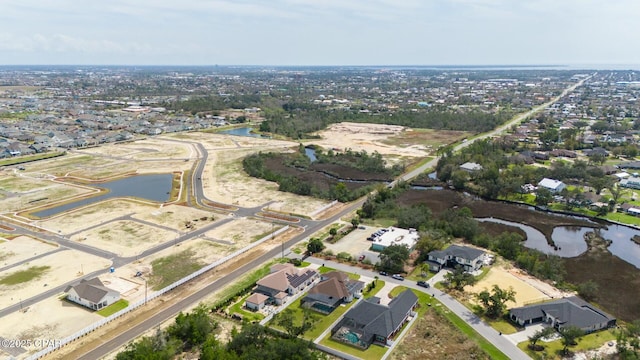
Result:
{"points": [[328, 212]]}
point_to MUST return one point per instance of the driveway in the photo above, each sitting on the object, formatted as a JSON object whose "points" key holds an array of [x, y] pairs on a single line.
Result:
{"points": [[523, 335]]}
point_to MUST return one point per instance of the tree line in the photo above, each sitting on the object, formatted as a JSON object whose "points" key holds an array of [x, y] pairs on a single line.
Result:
{"points": [[195, 332], [298, 121]]}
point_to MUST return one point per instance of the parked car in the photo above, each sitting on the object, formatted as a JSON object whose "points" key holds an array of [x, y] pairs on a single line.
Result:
{"points": [[397, 277], [383, 273], [361, 258], [423, 284]]}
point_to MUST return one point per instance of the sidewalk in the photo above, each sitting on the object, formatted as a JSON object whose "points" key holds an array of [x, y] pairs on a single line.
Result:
{"points": [[501, 342]]}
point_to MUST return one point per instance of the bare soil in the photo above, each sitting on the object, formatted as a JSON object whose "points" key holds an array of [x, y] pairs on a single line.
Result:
{"points": [[434, 337]]}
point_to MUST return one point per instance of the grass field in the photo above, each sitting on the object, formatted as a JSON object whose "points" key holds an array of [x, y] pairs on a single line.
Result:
{"points": [[171, 268], [553, 349], [113, 308], [23, 276]]}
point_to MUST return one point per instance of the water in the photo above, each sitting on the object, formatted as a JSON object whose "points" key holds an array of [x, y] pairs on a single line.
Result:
{"points": [[149, 187], [418, 187], [433, 175], [242, 131], [570, 240], [311, 154]]}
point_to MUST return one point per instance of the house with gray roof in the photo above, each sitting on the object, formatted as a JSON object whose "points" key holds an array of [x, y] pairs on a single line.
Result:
{"points": [[471, 259], [92, 294], [571, 311], [334, 289], [368, 322]]}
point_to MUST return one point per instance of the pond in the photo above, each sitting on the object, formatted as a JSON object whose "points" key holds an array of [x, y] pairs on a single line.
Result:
{"points": [[149, 187], [311, 154], [242, 131], [570, 240]]}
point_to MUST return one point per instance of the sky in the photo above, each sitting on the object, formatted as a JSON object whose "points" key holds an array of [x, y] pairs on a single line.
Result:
{"points": [[319, 32]]}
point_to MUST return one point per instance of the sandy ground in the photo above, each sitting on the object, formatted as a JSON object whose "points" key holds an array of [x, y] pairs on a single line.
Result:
{"points": [[147, 149], [22, 191], [48, 319], [22, 248], [64, 266], [225, 181], [94, 214], [543, 287], [525, 292], [241, 232], [368, 137], [125, 238], [175, 216]]}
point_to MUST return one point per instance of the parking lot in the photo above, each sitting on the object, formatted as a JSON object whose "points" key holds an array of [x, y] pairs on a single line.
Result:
{"points": [[356, 244]]}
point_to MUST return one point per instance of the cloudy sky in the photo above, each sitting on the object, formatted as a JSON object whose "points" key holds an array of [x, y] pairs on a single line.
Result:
{"points": [[319, 32]]}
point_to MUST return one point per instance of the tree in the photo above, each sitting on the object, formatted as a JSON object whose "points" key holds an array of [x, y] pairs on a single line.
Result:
{"points": [[588, 290], [569, 337], [459, 178], [192, 328], [599, 183], [543, 197], [538, 335], [494, 302], [628, 341], [314, 246], [355, 221], [394, 257], [459, 278], [616, 193], [287, 320], [333, 231]]}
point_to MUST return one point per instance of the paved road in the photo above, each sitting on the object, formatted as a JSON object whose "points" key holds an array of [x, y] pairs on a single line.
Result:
{"points": [[127, 335], [499, 341]]}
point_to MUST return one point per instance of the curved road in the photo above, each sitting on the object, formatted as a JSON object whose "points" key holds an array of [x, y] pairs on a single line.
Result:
{"points": [[194, 184]]}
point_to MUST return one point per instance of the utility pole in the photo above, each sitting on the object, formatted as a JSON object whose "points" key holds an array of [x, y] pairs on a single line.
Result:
{"points": [[145, 291]]}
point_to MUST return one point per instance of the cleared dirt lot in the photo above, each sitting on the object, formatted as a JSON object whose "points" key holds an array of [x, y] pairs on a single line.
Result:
{"points": [[48, 319], [525, 293], [94, 214], [64, 266], [242, 231], [22, 248], [125, 238], [176, 216], [23, 191]]}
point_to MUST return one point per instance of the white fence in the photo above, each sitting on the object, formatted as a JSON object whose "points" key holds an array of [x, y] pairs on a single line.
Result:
{"points": [[325, 207], [154, 295]]}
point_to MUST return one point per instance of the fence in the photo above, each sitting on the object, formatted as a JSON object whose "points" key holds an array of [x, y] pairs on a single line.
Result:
{"points": [[325, 207], [154, 295]]}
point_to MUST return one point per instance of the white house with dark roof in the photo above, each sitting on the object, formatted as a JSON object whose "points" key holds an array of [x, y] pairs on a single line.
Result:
{"points": [[562, 313], [92, 294], [471, 259]]}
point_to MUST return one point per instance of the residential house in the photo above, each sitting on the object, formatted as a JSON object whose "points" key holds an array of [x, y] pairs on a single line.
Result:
{"points": [[596, 151], [256, 301], [632, 182], [471, 167], [634, 165], [471, 259], [285, 280], [555, 186], [334, 288], [563, 153], [562, 313], [368, 322], [92, 294]]}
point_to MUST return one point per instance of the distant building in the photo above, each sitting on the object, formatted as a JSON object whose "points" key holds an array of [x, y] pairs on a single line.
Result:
{"points": [[471, 167], [395, 236], [92, 294], [555, 186], [471, 259]]}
